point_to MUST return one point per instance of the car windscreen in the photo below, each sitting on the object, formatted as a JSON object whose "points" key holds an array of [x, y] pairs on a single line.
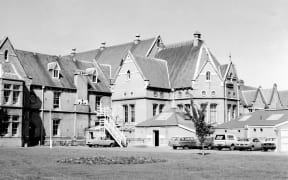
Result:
{"points": [[220, 137]]}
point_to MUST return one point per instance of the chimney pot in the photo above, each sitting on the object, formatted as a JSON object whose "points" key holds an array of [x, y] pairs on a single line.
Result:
{"points": [[103, 46], [73, 52], [137, 39], [197, 38]]}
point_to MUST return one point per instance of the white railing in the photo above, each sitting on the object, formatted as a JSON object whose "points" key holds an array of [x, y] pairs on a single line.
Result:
{"points": [[109, 124], [119, 137]]}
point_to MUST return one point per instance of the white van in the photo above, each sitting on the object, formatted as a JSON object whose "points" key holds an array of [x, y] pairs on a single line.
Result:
{"points": [[225, 141]]}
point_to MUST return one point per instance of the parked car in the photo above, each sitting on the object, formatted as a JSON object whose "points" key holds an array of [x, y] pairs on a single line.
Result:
{"points": [[269, 143], [102, 142], [248, 144], [222, 141], [183, 142], [208, 143]]}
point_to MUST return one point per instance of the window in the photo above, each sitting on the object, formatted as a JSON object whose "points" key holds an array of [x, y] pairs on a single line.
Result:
{"points": [[161, 107], [254, 129], [4, 125], [239, 130], [161, 95], [188, 107], [204, 106], [208, 76], [15, 124], [56, 100], [97, 102], [55, 73], [203, 93], [187, 94], [128, 75], [261, 129], [6, 55], [155, 93], [213, 113], [213, 93], [16, 92], [180, 107], [234, 112], [179, 94], [229, 111], [56, 125], [7, 92], [125, 109], [155, 109], [132, 111], [8, 124], [94, 78]]}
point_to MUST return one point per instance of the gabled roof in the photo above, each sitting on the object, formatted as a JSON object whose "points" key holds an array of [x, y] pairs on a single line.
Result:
{"points": [[257, 118], [284, 97], [248, 96], [154, 70], [187, 59], [35, 65], [113, 55], [267, 94], [170, 117], [223, 69]]}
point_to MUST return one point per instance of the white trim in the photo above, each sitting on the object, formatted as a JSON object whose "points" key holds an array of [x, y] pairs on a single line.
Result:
{"points": [[151, 47], [189, 129], [197, 64], [281, 124]]}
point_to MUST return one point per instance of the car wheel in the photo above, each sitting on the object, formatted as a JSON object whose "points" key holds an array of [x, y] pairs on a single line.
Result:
{"points": [[185, 147], [252, 148], [112, 145], [232, 147], [219, 148], [174, 147], [265, 149], [209, 147], [89, 145]]}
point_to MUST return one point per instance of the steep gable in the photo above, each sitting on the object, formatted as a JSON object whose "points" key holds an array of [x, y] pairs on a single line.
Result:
{"points": [[188, 58], [10, 66]]}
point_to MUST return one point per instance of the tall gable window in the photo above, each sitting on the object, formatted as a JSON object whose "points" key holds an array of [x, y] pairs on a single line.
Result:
{"points": [[6, 55], [54, 70], [213, 113], [128, 75], [208, 76]]}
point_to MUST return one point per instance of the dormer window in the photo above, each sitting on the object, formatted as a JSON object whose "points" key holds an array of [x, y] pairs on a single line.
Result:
{"points": [[54, 69], [6, 55], [92, 72], [55, 73], [128, 75], [94, 78], [208, 76]]}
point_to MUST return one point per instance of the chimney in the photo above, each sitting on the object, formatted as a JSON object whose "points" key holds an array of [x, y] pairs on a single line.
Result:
{"points": [[197, 38], [137, 39], [73, 52], [103, 46]]}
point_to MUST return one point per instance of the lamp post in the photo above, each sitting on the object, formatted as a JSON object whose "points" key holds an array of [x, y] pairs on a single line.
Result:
{"points": [[51, 132]]}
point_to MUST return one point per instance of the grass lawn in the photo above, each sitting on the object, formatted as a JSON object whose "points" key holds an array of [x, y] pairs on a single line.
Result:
{"points": [[41, 163]]}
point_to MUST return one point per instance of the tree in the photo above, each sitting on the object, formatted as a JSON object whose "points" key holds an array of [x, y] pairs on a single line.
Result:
{"points": [[203, 130]]}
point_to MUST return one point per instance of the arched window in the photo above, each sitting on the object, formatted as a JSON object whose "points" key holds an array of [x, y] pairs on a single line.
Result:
{"points": [[94, 78], [6, 55], [128, 75], [208, 75]]}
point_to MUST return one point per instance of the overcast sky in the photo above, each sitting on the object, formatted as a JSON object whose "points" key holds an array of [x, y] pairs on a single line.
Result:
{"points": [[255, 32]]}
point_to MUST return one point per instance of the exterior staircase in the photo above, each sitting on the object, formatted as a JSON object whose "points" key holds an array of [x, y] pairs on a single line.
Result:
{"points": [[107, 123]]}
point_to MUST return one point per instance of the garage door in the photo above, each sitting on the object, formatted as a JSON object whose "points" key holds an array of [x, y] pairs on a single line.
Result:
{"points": [[284, 140]]}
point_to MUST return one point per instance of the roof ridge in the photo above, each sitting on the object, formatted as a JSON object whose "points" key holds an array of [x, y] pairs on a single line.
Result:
{"points": [[37, 53], [115, 45], [178, 44]]}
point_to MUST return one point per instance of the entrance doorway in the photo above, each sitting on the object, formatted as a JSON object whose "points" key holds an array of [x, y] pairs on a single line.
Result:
{"points": [[156, 138]]}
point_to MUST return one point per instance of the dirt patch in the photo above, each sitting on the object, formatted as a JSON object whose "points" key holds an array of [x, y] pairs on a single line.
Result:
{"points": [[112, 160]]}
